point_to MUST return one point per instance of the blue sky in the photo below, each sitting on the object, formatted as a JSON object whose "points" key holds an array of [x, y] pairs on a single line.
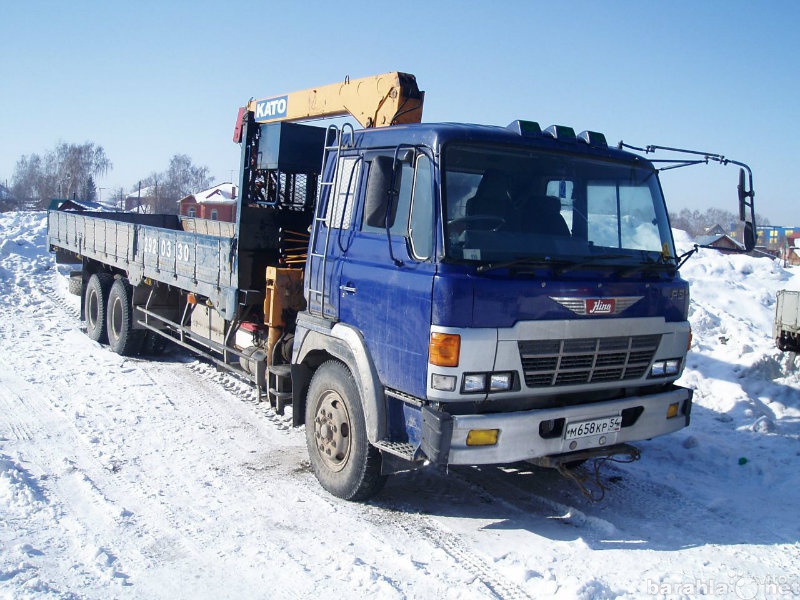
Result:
{"points": [[150, 79]]}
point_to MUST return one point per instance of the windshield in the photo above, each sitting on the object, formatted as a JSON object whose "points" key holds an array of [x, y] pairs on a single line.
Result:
{"points": [[513, 204]]}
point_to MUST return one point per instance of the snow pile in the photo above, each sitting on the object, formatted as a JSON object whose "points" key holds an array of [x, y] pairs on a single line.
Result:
{"points": [[734, 365], [127, 478], [21, 243]]}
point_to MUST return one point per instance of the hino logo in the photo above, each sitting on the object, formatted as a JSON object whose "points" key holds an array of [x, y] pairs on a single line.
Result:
{"points": [[600, 306], [272, 108], [597, 306]]}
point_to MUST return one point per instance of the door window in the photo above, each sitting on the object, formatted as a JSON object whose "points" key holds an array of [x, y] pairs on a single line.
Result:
{"points": [[400, 225], [421, 221]]}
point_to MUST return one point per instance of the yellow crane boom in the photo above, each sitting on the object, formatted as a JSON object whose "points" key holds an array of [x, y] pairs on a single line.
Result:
{"points": [[377, 101]]}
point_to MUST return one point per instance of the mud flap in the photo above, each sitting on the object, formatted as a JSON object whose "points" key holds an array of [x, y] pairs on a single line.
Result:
{"points": [[437, 432]]}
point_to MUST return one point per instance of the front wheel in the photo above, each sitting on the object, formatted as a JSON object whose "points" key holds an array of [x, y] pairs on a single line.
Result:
{"points": [[342, 458]]}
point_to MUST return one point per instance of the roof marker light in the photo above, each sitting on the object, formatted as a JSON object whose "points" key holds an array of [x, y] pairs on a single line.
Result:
{"points": [[593, 138], [560, 132], [525, 128]]}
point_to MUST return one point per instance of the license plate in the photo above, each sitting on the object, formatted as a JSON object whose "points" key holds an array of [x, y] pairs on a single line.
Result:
{"points": [[583, 429]]}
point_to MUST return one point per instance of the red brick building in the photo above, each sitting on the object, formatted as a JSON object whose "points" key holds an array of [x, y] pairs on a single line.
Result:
{"points": [[215, 204]]}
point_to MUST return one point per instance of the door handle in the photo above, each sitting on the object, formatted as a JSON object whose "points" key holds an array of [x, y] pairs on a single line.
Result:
{"points": [[347, 289]]}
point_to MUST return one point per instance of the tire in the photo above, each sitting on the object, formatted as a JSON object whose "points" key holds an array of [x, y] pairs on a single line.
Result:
{"points": [[153, 344], [344, 462], [122, 337], [95, 301], [75, 283]]}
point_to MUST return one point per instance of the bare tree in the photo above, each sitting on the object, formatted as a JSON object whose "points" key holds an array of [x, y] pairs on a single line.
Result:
{"points": [[64, 172], [7, 201], [179, 180], [696, 223], [117, 198]]}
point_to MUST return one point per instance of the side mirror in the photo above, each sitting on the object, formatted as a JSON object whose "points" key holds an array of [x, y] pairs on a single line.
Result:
{"points": [[379, 208], [749, 233], [742, 195], [749, 236]]}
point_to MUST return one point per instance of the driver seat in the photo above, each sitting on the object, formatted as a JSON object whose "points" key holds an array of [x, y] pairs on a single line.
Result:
{"points": [[492, 198], [543, 216]]}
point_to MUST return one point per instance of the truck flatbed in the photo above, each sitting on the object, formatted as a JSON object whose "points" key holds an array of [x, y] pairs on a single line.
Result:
{"points": [[152, 247]]}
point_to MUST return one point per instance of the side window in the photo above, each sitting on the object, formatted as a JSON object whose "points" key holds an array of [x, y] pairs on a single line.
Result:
{"points": [[421, 221], [622, 216], [400, 225], [214, 214], [192, 211], [340, 206]]}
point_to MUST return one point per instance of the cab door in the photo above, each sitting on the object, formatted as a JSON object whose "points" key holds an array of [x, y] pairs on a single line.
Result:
{"points": [[387, 273], [332, 233]]}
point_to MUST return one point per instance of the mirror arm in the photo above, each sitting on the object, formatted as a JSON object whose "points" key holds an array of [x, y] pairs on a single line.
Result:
{"points": [[393, 194], [746, 198]]}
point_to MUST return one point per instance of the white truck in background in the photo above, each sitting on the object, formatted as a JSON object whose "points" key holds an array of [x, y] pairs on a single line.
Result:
{"points": [[786, 330]]}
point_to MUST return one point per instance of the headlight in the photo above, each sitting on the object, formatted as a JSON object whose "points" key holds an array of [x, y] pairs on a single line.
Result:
{"points": [[500, 382], [480, 383], [665, 368], [474, 383]]}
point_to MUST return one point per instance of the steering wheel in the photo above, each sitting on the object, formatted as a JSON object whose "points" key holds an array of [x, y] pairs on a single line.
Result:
{"points": [[489, 222]]}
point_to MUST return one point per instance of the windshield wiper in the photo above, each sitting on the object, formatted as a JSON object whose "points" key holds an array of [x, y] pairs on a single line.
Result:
{"points": [[592, 259], [526, 261], [648, 265], [566, 264]]}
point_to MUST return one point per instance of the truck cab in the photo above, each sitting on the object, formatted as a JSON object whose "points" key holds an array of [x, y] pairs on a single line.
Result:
{"points": [[495, 294]]}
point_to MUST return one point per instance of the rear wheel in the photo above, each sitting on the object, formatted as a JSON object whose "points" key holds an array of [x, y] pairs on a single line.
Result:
{"points": [[122, 337], [75, 283], [95, 301], [342, 458]]}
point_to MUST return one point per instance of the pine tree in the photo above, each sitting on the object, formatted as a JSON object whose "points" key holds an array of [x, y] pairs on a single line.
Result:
{"points": [[90, 190]]}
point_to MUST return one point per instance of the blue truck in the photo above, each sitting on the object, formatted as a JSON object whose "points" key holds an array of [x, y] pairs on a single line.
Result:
{"points": [[419, 294]]}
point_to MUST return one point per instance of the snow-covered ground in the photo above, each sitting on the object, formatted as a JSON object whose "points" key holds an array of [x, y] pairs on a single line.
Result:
{"points": [[129, 478]]}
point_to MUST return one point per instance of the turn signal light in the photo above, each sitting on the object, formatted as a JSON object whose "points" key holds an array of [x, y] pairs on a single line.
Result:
{"points": [[444, 349], [672, 410], [482, 437]]}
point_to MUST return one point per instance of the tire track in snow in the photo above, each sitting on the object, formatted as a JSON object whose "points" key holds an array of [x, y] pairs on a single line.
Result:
{"points": [[417, 527], [70, 486], [499, 585], [423, 531], [79, 487]]}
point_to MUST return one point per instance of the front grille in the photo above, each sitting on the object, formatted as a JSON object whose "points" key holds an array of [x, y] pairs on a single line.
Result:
{"points": [[555, 363]]}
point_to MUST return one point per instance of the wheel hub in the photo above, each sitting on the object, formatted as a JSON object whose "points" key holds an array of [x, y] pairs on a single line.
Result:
{"points": [[332, 431]]}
